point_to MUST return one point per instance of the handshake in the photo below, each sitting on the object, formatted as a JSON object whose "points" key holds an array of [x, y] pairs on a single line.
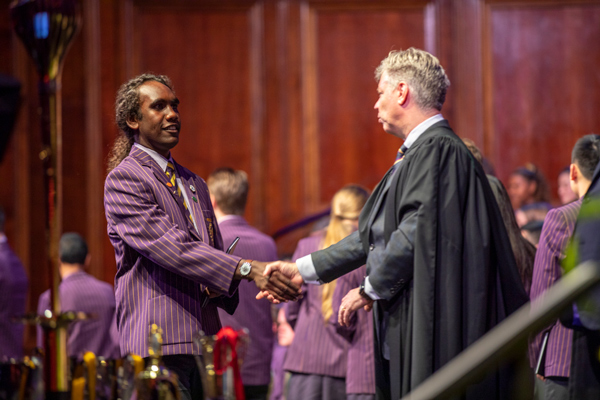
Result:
{"points": [[278, 281]]}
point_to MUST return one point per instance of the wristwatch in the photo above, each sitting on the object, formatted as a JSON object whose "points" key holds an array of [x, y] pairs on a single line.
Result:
{"points": [[361, 291], [245, 268]]}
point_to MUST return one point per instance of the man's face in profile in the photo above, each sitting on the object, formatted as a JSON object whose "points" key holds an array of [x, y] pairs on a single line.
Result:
{"points": [[387, 105]]}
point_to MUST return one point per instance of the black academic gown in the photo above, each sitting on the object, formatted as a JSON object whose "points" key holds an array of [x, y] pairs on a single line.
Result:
{"points": [[449, 274]]}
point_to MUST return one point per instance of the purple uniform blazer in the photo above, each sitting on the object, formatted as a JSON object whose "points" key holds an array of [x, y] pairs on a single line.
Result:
{"points": [[13, 297], [163, 264], [556, 232], [251, 313], [317, 348], [82, 292], [360, 373]]}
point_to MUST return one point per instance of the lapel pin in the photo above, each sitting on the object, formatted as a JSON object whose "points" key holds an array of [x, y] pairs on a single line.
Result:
{"points": [[195, 199], [169, 184], [192, 188]]}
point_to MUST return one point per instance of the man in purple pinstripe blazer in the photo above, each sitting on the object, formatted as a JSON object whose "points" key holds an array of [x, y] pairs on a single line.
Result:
{"points": [[229, 193], [171, 270], [80, 291], [13, 295], [556, 232]]}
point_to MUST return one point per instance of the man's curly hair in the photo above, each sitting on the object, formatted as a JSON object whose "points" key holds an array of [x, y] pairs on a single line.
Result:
{"points": [[127, 105]]}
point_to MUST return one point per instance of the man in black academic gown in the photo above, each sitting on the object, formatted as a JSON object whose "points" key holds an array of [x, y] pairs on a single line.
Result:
{"points": [[440, 270]]}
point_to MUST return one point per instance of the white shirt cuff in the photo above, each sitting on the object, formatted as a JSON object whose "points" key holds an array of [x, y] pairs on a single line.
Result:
{"points": [[307, 270], [370, 291]]}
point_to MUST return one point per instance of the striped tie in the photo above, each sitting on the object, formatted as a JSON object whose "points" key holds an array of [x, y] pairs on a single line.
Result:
{"points": [[171, 175], [400, 154]]}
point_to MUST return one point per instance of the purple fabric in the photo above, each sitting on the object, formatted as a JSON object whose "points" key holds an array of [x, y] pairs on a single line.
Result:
{"points": [[279, 353], [556, 232], [251, 313], [317, 347], [13, 297], [360, 373], [82, 292], [163, 264]]}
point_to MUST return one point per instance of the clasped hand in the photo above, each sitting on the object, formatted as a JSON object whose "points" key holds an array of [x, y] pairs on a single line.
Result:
{"points": [[285, 282]]}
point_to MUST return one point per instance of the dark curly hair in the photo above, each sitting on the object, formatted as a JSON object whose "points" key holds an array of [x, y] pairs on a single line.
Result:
{"points": [[127, 105]]}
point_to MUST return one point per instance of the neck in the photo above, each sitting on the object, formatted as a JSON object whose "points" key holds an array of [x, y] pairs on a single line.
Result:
{"points": [[582, 187], [414, 118], [69, 269]]}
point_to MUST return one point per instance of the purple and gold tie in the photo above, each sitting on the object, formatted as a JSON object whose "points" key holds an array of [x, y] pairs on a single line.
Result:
{"points": [[400, 154], [171, 175]]}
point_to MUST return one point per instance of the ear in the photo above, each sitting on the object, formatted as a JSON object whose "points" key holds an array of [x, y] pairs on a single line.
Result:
{"points": [[132, 122], [573, 172], [402, 89], [213, 201]]}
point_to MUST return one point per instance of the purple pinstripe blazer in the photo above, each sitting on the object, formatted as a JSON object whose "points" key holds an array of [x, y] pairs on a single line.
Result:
{"points": [[251, 313], [317, 347], [82, 292], [360, 373], [556, 232], [163, 264], [13, 297]]}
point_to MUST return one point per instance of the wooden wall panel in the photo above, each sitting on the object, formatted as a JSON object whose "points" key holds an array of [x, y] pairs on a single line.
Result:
{"points": [[284, 89], [544, 88], [208, 56], [351, 145]]}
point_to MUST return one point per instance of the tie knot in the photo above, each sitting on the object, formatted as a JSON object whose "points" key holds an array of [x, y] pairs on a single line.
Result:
{"points": [[170, 168]]}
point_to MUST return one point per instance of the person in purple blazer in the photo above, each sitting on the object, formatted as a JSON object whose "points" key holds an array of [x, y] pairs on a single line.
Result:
{"points": [[80, 291], [360, 371], [558, 228], [229, 193], [318, 356], [171, 270], [14, 286]]}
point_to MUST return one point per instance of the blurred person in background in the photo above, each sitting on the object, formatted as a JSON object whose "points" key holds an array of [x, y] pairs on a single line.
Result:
{"points": [[14, 286], [229, 195], [556, 233], [565, 193], [80, 291], [523, 250], [318, 356], [285, 337], [527, 185]]}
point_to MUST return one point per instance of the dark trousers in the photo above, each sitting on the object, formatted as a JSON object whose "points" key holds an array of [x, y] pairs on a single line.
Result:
{"points": [[256, 392], [184, 365]]}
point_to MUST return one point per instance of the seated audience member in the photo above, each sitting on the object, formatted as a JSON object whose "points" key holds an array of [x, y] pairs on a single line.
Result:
{"points": [[523, 250], [565, 193], [556, 233], [285, 337], [532, 231], [80, 291], [229, 194], [13, 296], [317, 358], [527, 185]]}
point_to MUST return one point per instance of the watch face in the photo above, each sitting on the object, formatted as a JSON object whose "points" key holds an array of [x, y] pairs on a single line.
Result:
{"points": [[245, 269]]}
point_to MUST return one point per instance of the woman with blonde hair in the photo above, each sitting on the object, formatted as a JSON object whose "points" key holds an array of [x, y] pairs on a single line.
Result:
{"points": [[317, 357]]}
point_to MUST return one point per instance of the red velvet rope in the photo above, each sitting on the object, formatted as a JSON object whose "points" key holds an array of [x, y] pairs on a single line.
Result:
{"points": [[228, 338]]}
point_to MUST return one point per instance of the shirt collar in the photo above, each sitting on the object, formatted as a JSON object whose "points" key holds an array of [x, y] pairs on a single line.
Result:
{"points": [[422, 127], [227, 218], [160, 160]]}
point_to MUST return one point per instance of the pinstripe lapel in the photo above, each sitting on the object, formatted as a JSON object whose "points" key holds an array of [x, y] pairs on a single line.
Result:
{"points": [[147, 161]]}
